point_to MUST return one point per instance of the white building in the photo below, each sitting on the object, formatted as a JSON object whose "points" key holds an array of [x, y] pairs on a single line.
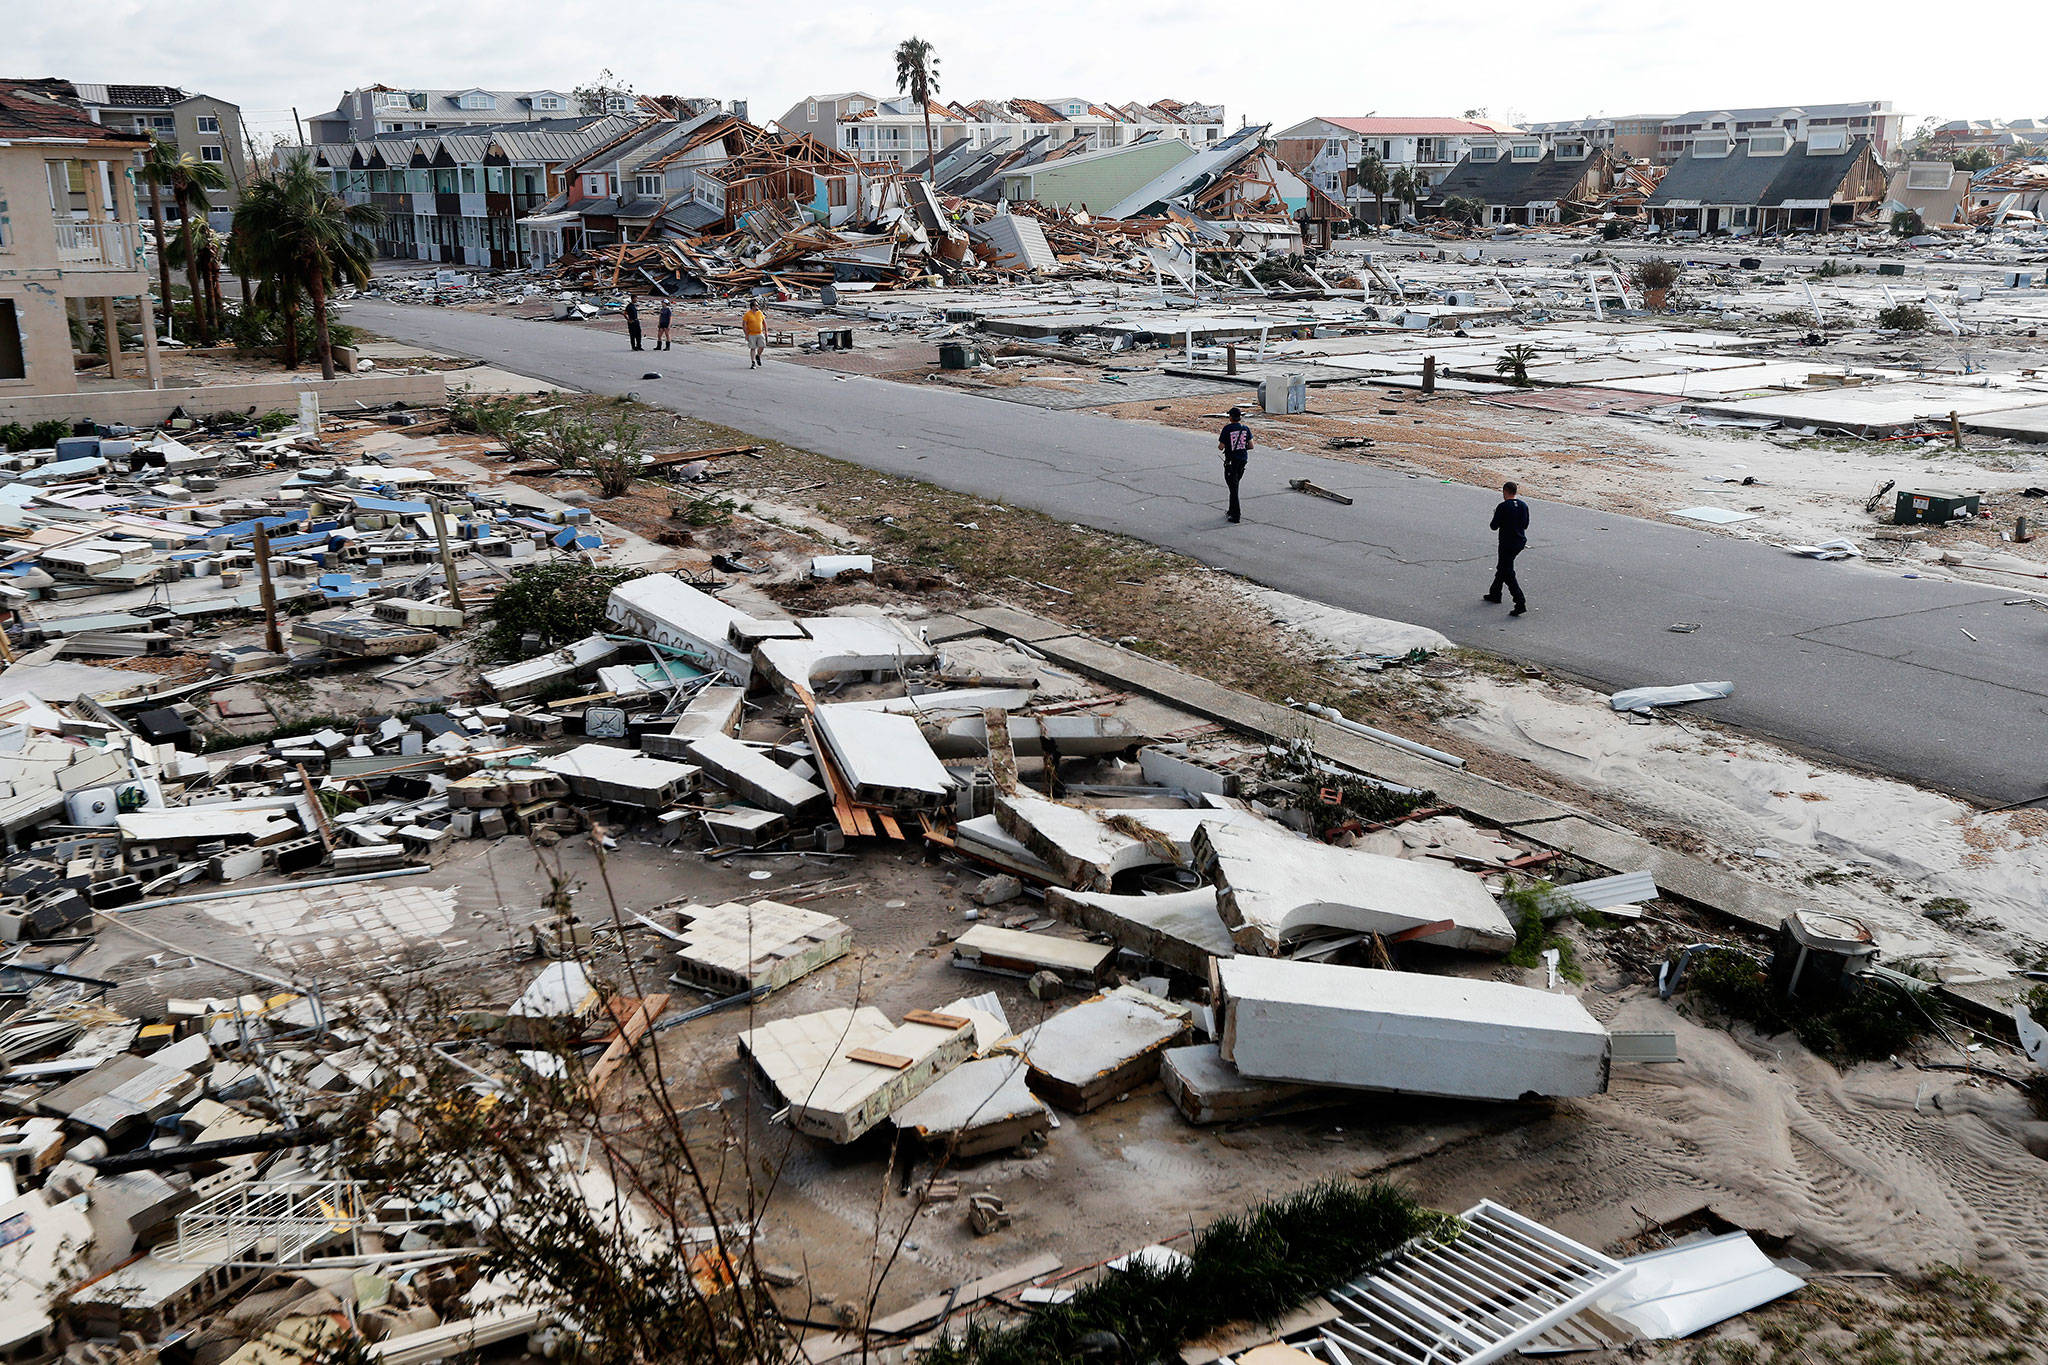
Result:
{"points": [[1326, 150], [893, 130]]}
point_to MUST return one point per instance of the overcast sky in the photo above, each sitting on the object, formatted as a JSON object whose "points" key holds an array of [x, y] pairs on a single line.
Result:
{"points": [[1272, 63]]}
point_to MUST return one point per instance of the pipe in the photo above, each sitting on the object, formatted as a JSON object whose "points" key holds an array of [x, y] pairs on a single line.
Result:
{"points": [[192, 1153], [259, 890], [1337, 718]]}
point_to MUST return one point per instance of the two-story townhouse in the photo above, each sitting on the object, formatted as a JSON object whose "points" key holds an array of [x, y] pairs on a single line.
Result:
{"points": [[61, 264], [1326, 151], [1874, 120], [372, 111], [1628, 137], [459, 197], [894, 129]]}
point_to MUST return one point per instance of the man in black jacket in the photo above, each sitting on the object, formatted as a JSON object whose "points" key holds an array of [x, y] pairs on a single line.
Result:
{"points": [[1511, 519], [1235, 441]]}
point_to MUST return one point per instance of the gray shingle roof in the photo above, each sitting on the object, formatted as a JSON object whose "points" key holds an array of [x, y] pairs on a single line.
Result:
{"points": [[1513, 183], [1763, 181]]}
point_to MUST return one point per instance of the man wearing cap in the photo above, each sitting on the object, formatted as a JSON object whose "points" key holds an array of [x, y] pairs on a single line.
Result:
{"points": [[1235, 441]]}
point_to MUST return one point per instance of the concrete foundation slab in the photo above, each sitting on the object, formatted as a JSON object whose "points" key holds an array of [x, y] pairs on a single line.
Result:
{"points": [[732, 948], [1207, 1089], [1183, 930], [1084, 1057], [981, 1106]]}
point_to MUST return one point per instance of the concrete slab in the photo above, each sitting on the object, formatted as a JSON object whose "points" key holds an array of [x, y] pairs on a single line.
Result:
{"points": [[732, 947], [671, 613], [1084, 1057], [1183, 930], [1273, 887], [884, 758], [1317, 1024], [842, 1071], [841, 644], [752, 775], [1013, 950], [1207, 1089], [980, 1106]]}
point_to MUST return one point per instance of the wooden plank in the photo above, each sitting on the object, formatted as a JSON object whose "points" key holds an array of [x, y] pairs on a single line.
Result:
{"points": [[894, 1061], [936, 1019], [863, 823], [630, 1033], [888, 824]]}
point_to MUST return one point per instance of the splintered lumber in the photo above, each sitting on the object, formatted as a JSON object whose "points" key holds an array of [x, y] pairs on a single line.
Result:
{"points": [[1315, 490], [1002, 758], [630, 1033]]}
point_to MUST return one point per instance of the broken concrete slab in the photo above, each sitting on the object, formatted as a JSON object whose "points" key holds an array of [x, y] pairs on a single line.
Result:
{"points": [[1182, 929], [748, 773], [841, 644], [1013, 950], [1084, 1057], [695, 625], [599, 772], [984, 838], [1208, 1089], [884, 758], [1273, 886], [1085, 852], [983, 1105], [1362, 1028], [1069, 736], [713, 711], [840, 1072], [731, 948]]}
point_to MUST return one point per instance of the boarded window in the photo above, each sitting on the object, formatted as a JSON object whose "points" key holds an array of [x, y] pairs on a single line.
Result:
{"points": [[12, 365]]}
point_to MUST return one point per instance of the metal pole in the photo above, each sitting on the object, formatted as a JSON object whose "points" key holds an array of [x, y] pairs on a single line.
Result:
{"points": [[271, 639], [447, 556]]}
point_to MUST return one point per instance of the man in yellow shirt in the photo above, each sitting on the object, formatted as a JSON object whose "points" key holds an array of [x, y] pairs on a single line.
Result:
{"points": [[755, 323]]}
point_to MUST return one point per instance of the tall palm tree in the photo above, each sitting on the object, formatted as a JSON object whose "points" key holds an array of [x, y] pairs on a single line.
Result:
{"points": [[917, 75], [255, 251], [159, 166], [1372, 178], [1403, 187], [188, 180], [306, 237]]}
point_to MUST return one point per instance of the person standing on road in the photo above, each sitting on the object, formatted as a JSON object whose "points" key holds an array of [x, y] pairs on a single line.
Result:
{"points": [[1511, 520], [633, 320], [1235, 441], [661, 337], [754, 323]]}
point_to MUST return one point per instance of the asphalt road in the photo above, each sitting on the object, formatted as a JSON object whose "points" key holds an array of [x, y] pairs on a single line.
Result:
{"points": [[1840, 659]]}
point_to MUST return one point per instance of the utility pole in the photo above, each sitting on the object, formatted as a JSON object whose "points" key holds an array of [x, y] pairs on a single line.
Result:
{"points": [[298, 125], [447, 556], [271, 640]]}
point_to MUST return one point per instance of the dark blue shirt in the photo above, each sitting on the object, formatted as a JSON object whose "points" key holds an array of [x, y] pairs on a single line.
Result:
{"points": [[1511, 519], [1237, 440]]}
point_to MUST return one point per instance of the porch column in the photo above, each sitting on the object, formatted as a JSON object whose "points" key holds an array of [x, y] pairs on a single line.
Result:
{"points": [[150, 361], [112, 326]]}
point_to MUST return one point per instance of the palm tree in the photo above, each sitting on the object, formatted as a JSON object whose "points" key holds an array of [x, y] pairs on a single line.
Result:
{"points": [[159, 166], [917, 75], [254, 248], [1403, 187], [189, 179], [305, 236], [1372, 178]]}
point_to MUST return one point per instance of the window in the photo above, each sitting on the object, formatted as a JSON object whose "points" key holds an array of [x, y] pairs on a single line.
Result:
{"points": [[494, 179], [1768, 144], [810, 111], [211, 153], [469, 180], [478, 99], [1528, 151], [1710, 146], [165, 123], [649, 186], [1485, 151], [1827, 142], [618, 104], [12, 362], [1928, 175], [593, 185], [209, 123], [549, 103], [391, 99], [835, 192]]}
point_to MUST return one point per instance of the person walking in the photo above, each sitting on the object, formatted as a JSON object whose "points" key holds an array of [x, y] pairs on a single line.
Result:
{"points": [[755, 323], [1235, 441], [661, 337], [633, 321], [1511, 520]]}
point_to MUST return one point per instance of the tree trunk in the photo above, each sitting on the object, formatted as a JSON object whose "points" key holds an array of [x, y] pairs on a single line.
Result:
{"points": [[1381, 201], [931, 153], [326, 348], [196, 294], [288, 325], [163, 260], [215, 307]]}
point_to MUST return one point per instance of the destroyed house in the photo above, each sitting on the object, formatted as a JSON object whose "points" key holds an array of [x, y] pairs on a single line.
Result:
{"points": [[1527, 183], [1767, 183], [1935, 190], [458, 197]]}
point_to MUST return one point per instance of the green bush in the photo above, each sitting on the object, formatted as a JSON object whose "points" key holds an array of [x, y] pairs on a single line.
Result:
{"points": [[1903, 317], [1907, 223], [14, 436], [560, 601], [1872, 1018], [47, 433], [1254, 1267]]}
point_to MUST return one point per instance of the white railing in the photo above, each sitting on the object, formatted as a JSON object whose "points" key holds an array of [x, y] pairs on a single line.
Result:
{"points": [[99, 246]]}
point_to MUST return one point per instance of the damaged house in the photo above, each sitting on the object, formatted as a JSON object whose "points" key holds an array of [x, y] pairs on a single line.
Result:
{"points": [[1527, 183], [1763, 182]]}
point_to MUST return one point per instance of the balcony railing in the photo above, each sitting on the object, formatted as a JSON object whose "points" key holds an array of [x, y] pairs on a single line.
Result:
{"points": [[99, 246]]}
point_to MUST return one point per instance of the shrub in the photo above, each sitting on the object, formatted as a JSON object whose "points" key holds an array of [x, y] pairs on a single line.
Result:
{"points": [[1903, 317], [1463, 210], [47, 433], [1907, 223], [1513, 364], [1657, 273], [14, 436], [560, 601], [1872, 1017]]}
